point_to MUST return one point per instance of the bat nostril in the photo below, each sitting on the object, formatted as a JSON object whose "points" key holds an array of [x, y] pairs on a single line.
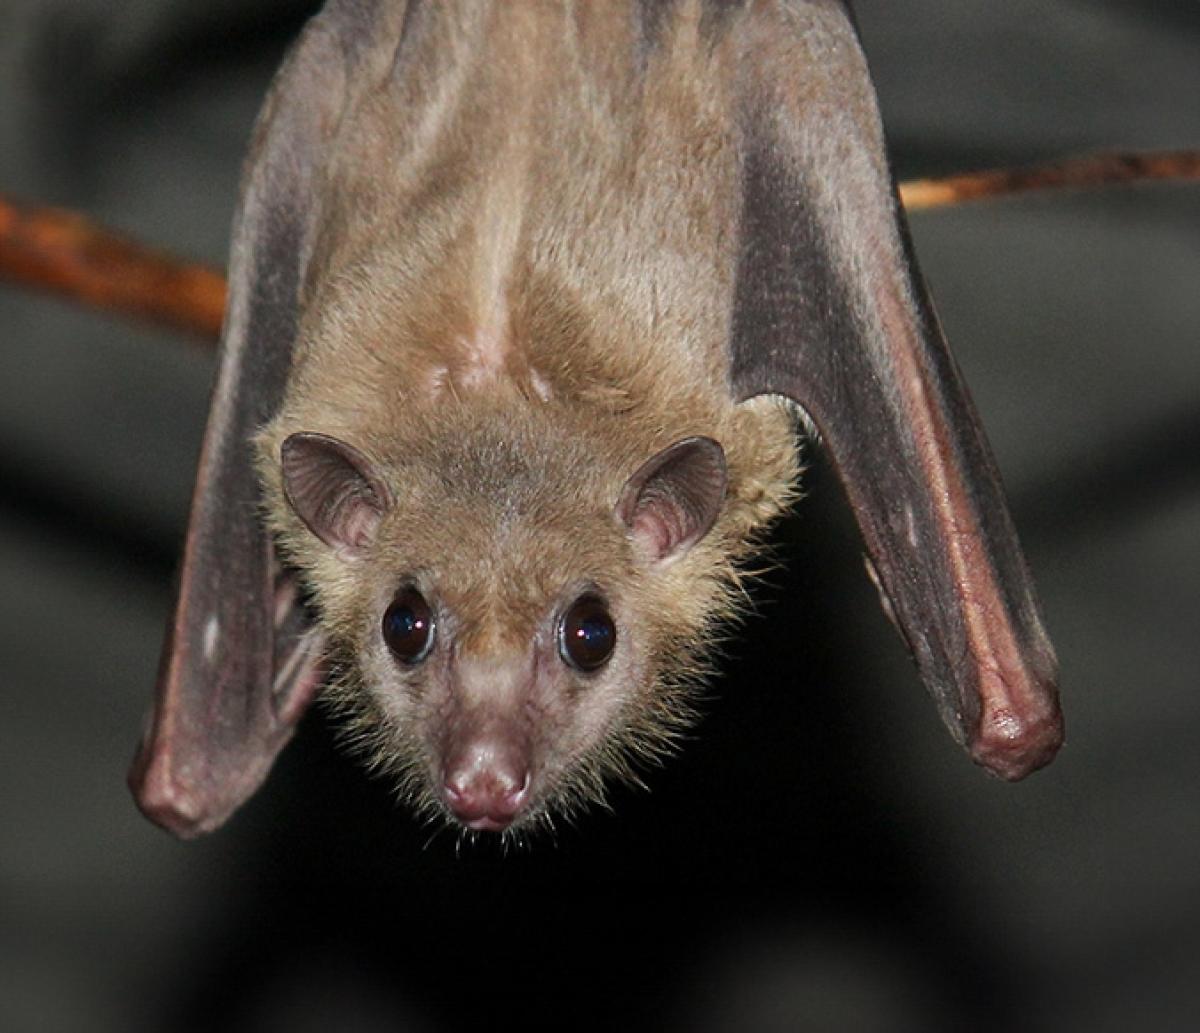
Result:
{"points": [[486, 797]]}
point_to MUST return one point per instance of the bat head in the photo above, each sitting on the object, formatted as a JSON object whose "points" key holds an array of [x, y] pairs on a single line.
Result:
{"points": [[514, 617]]}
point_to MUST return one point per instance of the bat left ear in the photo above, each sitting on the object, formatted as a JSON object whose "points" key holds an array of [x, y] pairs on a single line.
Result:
{"points": [[672, 499], [334, 489]]}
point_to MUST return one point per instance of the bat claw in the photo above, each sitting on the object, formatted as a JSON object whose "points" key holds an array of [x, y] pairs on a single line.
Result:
{"points": [[1014, 741], [163, 800]]}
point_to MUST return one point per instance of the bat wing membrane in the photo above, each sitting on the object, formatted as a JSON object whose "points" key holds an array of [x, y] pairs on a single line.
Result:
{"points": [[831, 312], [241, 661]]}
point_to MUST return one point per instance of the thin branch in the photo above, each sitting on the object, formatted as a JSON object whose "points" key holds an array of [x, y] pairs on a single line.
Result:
{"points": [[1072, 173], [63, 253]]}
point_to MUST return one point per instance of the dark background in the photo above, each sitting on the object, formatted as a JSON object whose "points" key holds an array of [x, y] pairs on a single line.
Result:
{"points": [[820, 856]]}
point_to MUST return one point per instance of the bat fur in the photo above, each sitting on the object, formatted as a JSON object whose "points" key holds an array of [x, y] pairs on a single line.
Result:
{"points": [[528, 245]]}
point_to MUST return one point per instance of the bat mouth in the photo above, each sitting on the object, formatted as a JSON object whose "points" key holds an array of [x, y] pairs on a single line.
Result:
{"points": [[489, 824]]}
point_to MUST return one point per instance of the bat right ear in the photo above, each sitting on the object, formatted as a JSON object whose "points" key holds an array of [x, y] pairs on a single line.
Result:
{"points": [[334, 489], [672, 500]]}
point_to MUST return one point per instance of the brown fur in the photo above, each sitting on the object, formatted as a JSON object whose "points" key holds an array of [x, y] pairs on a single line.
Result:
{"points": [[521, 292]]}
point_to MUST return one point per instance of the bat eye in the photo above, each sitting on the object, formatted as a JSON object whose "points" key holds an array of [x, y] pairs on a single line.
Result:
{"points": [[408, 626], [587, 634]]}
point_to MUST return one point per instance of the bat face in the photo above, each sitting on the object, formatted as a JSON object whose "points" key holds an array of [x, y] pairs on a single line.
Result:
{"points": [[525, 299], [507, 638], [511, 624]]}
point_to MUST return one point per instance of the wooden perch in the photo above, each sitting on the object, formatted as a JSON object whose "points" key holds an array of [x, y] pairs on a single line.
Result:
{"points": [[1072, 173], [63, 253]]}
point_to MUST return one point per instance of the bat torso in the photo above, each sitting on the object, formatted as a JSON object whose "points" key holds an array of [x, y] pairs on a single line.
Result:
{"points": [[520, 288], [527, 240]]}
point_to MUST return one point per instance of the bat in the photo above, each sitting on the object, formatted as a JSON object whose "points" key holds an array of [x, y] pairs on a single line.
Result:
{"points": [[526, 300]]}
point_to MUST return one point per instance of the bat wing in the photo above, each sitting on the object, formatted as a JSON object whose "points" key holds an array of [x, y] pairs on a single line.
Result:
{"points": [[241, 661], [831, 312]]}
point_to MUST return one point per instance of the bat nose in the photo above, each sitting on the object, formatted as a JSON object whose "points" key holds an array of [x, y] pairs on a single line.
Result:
{"points": [[486, 784]]}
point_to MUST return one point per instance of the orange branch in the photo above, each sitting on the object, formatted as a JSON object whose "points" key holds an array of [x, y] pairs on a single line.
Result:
{"points": [[63, 253], [1073, 173]]}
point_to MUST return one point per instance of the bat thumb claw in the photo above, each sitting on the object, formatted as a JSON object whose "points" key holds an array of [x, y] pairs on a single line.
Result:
{"points": [[1016, 739], [164, 799]]}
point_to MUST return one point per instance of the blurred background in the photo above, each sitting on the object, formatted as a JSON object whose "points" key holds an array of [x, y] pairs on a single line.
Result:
{"points": [[820, 856]]}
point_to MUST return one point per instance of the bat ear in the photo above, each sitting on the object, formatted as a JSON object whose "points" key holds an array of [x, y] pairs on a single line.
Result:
{"points": [[334, 489], [672, 499]]}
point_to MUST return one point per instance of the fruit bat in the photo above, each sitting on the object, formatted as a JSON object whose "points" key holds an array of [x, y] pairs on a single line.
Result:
{"points": [[526, 300]]}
